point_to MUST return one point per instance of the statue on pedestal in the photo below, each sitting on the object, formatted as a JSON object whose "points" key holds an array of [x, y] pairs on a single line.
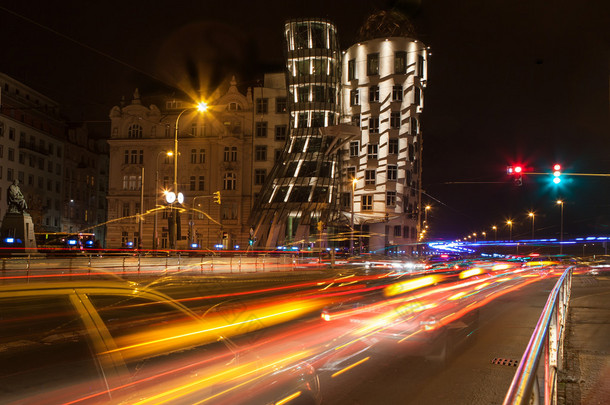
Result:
{"points": [[15, 199]]}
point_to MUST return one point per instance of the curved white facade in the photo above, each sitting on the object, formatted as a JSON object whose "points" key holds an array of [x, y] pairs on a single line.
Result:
{"points": [[382, 92]]}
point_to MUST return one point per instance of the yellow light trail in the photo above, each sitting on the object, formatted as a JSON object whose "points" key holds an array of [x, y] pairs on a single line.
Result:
{"points": [[359, 362]]}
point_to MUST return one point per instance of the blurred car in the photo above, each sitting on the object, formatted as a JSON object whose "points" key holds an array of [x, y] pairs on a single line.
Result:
{"points": [[100, 342]]}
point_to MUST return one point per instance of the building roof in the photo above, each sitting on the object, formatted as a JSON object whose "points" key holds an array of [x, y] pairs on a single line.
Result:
{"points": [[384, 24]]}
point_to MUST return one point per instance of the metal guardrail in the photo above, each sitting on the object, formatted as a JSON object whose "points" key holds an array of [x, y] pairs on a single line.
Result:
{"points": [[547, 340]]}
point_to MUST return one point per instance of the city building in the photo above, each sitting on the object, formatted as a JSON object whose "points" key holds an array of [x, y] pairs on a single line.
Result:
{"points": [[383, 79], [230, 149], [32, 145], [301, 197]]}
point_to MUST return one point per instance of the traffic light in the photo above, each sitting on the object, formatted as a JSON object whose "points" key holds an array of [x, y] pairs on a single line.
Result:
{"points": [[557, 173], [517, 173], [217, 197]]}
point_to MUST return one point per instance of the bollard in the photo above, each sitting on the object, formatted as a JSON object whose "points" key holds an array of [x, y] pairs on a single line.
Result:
{"points": [[212, 263]]}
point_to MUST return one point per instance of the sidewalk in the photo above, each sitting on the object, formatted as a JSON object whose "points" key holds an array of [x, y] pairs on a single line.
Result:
{"points": [[586, 375]]}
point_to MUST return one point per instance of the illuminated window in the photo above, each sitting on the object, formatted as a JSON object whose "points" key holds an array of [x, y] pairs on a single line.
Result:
{"points": [[393, 146], [354, 148], [400, 62], [354, 97], [303, 120], [303, 93], [369, 177], [372, 151], [367, 203], [397, 93], [351, 69], [372, 64], [281, 105], [374, 125], [390, 198], [374, 94], [262, 105], [301, 36], [135, 131], [392, 172], [395, 120], [229, 181], [261, 129]]}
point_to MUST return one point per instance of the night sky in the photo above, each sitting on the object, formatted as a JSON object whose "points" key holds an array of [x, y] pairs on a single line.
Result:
{"points": [[521, 81]]}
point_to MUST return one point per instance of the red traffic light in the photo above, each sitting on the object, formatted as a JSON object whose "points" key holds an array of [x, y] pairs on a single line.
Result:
{"points": [[518, 169], [557, 167]]}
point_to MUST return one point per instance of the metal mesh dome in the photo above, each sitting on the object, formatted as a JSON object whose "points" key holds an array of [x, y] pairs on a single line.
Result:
{"points": [[385, 24]]}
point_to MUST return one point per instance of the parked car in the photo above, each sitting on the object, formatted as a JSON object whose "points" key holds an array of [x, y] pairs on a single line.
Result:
{"points": [[112, 342]]}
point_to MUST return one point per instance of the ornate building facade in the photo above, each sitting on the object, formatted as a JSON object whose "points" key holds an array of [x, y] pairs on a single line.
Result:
{"points": [[229, 149]]}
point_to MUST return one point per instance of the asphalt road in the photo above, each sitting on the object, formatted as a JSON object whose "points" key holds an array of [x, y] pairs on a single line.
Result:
{"points": [[468, 377]]}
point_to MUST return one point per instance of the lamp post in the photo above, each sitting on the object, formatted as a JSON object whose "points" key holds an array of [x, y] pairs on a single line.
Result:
{"points": [[532, 215], [495, 229], [155, 233], [560, 203], [191, 222], [484, 235], [141, 216], [354, 182], [510, 230], [201, 107]]}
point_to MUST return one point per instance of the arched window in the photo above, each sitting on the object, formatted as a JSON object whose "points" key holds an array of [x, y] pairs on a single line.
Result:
{"points": [[135, 131], [230, 181]]}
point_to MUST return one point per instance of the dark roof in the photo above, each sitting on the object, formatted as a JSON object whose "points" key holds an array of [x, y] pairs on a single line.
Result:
{"points": [[385, 24]]}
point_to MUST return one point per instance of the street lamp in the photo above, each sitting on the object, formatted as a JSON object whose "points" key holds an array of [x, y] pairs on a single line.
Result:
{"points": [[426, 214], [156, 235], [354, 182], [560, 202], [201, 107], [484, 235], [532, 215], [510, 230], [495, 228]]}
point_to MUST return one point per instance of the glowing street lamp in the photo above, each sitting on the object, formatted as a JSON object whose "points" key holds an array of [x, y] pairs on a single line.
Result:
{"points": [[495, 229], [510, 230], [201, 107], [532, 215]]}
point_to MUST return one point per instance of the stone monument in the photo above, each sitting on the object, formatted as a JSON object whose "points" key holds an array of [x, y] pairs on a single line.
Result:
{"points": [[17, 227]]}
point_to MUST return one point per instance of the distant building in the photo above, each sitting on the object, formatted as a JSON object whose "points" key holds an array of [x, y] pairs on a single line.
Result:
{"points": [[230, 148], [383, 79], [62, 172]]}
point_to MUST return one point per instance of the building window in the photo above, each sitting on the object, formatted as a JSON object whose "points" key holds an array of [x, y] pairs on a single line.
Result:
{"points": [[413, 126], [420, 66], [261, 129], [193, 156], [369, 177], [234, 154], [227, 154], [354, 97], [21, 158], [354, 148], [192, 182], [417, 96], [1, 151], [397, 93], [351, 69], [281, 105], [395, 120], [262, 105], [9, 174], [356, 120], [374, 125], [390, 198], [351, 173], [259, 176], [374, 94], [201, 183], [397, 230], [201, 155], [260, 153], [303, 120], [135, 131], [317, 119], [229, 181], [372, 151], [280, 132], [367, 203], [11, 154], [392, 172], [11, 133], [372, 64], [126, 212], [400, 62], [393, 146]]}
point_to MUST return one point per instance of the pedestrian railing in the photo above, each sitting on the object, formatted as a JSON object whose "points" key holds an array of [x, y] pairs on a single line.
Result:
{"points": [[543, 356]]}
